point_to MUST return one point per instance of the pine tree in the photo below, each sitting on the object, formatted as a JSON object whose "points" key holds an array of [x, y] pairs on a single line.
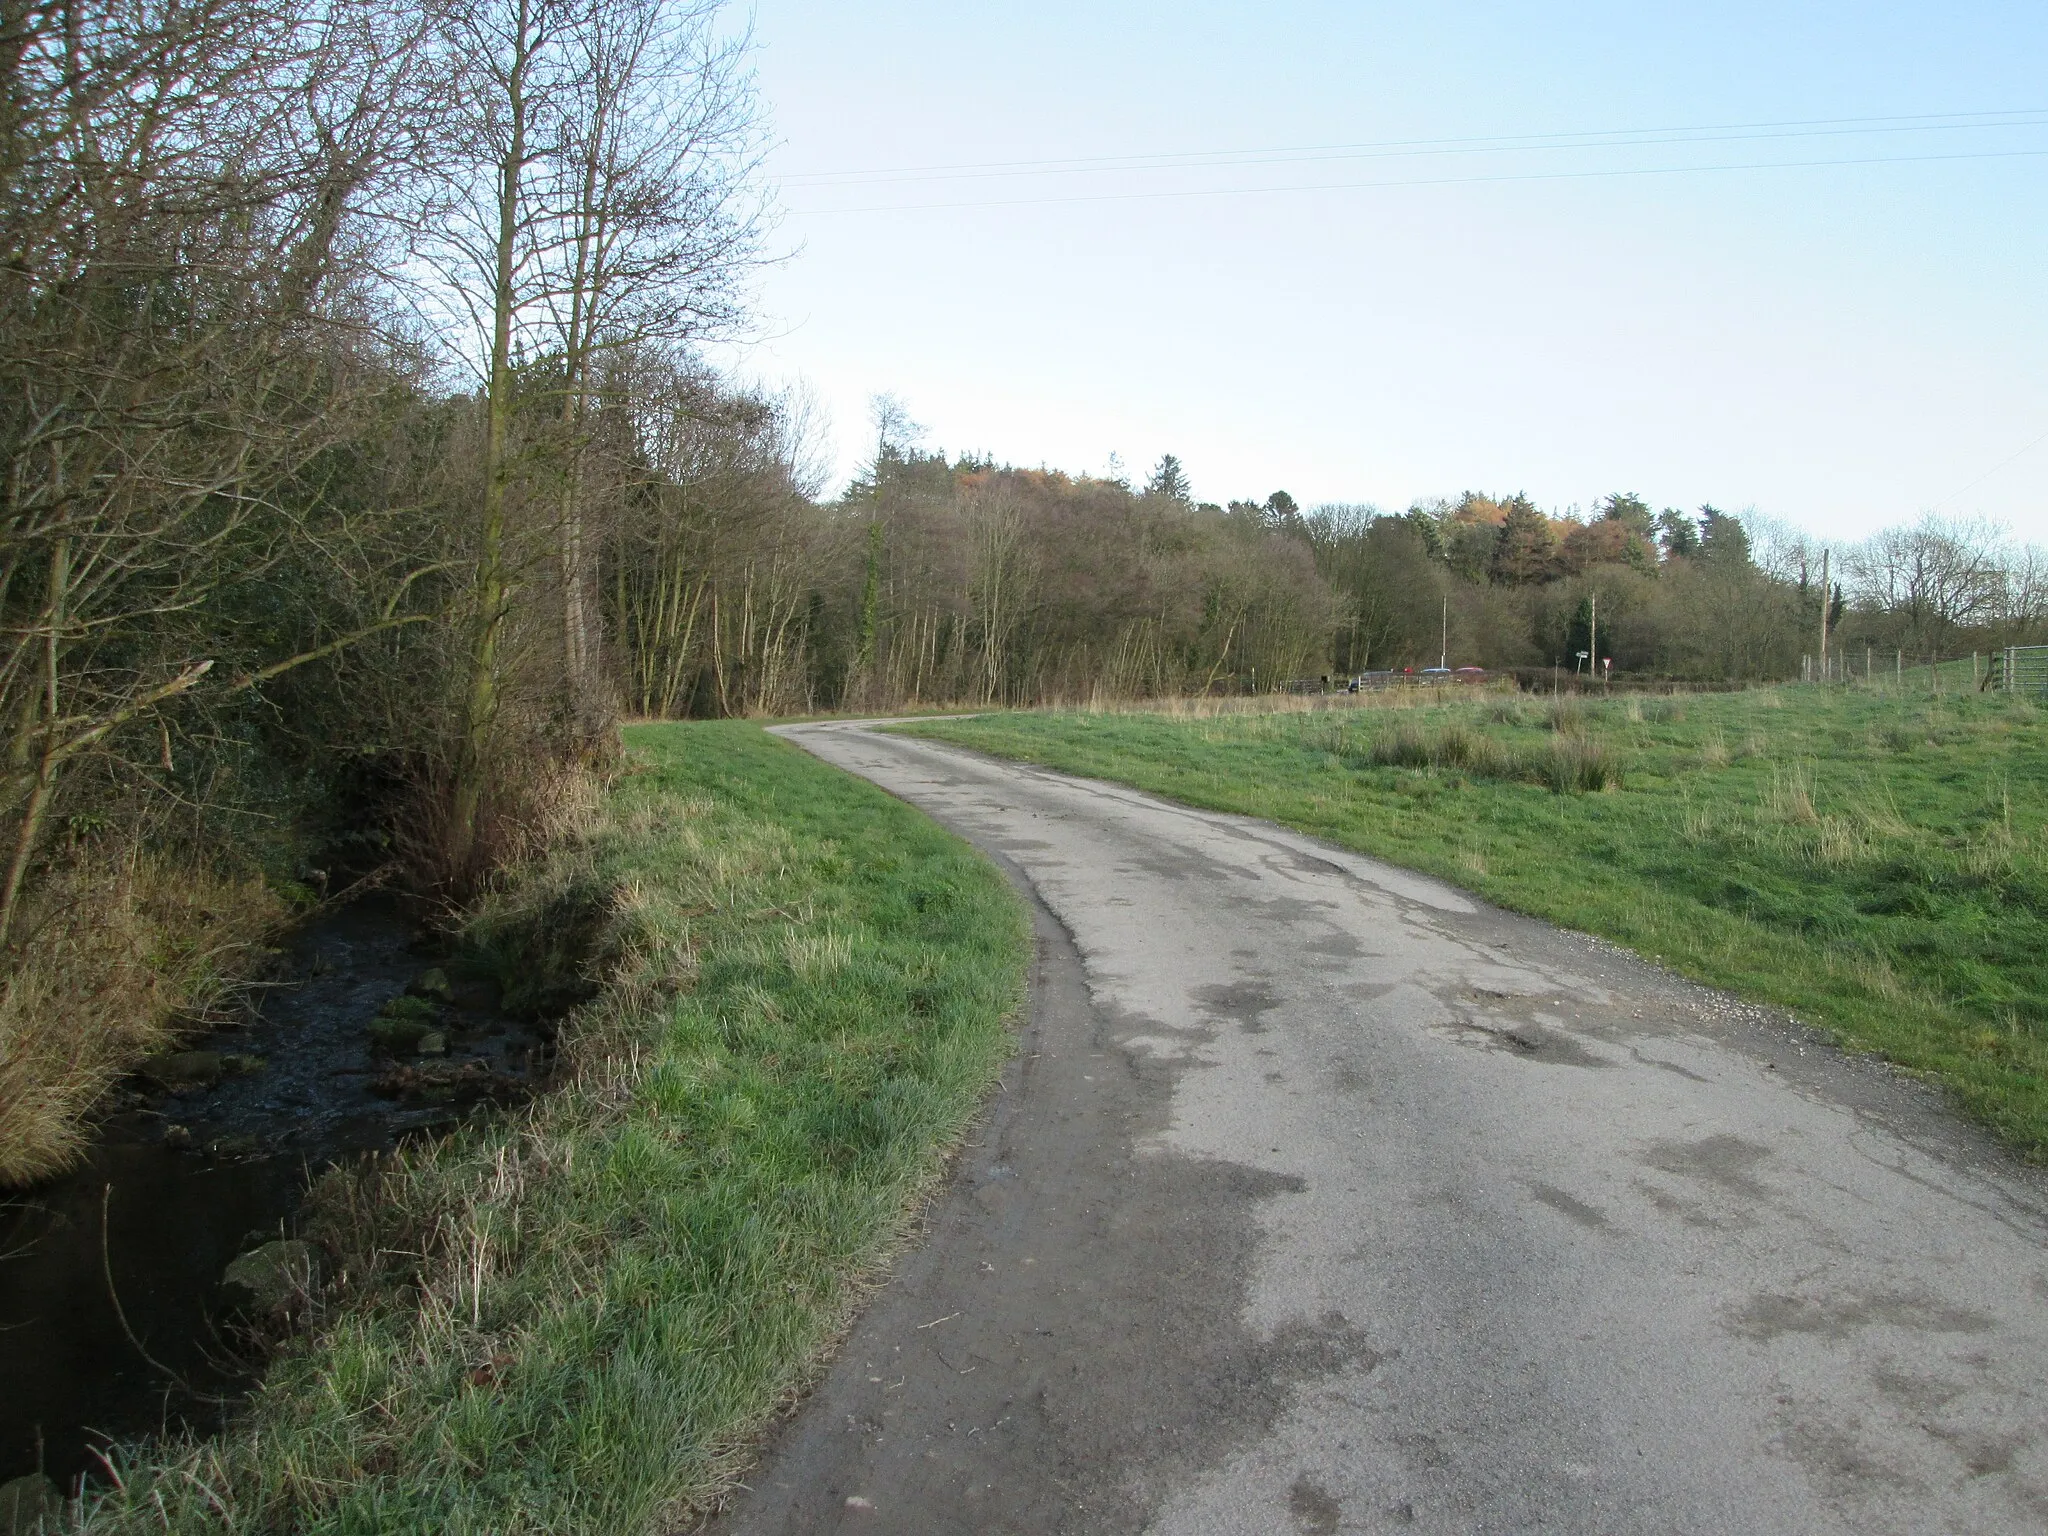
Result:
{"points": [[1170, 481], [1678, 534], [1526, 549], [1723, 539]]}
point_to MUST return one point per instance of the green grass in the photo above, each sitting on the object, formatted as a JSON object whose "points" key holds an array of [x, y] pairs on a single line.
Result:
{"points": [[1876, 862], [571, 1319]]}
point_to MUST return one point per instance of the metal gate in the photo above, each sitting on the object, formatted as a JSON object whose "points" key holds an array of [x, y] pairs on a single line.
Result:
{"points": [[2021, 669]]}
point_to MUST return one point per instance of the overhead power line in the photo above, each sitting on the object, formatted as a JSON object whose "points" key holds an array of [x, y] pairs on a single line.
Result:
{"points": [[1602, 138], [2003, 463], [1425, 181]]}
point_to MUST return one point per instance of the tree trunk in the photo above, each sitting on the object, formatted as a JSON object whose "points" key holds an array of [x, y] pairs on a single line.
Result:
{"points": [[480, 713], [28, 831]]}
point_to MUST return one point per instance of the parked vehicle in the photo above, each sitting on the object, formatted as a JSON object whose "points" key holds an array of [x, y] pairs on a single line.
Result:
{"points": [[1412, 677]]}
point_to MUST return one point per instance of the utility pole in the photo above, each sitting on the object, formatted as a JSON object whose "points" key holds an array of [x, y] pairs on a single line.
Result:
{"points": [[1823, 615], [1443, 656], [1593, 635]]}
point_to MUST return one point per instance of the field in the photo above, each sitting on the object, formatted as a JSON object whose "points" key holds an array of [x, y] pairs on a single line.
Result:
{"points": [[1873, 859], [570, 1319]]}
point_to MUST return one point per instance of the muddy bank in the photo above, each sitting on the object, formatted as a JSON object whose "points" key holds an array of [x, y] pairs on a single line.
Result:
{"points": [[114, 1321]]}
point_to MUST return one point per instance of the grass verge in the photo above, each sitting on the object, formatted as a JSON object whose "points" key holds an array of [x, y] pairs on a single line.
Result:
{"points": [[571, 1319], [1874, 860]]}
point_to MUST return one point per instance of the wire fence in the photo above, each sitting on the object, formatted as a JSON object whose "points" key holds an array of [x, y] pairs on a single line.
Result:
{"points": [[2020, 669]]}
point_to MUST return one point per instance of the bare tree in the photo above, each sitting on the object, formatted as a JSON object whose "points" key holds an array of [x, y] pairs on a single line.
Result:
{"points": [[2023, 594], [716, 550], [1931, 579], [597, 200], [895, 433], [484, 242], [999, 586], [179, 336], [656, 225]]}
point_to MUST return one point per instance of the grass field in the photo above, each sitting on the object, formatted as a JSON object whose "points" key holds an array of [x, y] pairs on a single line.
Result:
{"points": [[569, 1319], [1875, 861]]}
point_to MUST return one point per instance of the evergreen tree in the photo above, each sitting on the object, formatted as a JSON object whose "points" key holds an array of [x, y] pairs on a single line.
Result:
{"points": [[1677, 534], [1428, 529], [1578, 635], [1525, 551], [1629, 508], [870, 603], [1723, 539], [1170, 481]]}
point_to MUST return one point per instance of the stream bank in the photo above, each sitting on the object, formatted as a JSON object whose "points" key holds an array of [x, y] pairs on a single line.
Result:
{"points": [[591, 1305], [114, 1319]]}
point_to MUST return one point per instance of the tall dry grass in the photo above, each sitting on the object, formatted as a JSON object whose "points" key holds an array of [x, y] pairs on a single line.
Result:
{"points": [[116, 957], [534, 800], [1230, 706]]}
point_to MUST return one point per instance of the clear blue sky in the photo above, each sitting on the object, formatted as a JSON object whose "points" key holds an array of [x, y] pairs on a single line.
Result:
{"points": [[1841, 346]]}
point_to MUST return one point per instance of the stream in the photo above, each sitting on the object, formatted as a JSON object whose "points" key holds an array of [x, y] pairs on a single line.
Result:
{"points": [[114, 1322]]}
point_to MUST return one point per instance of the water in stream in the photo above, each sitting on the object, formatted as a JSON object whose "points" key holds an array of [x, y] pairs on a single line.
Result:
{"points": [[112, 1319]]}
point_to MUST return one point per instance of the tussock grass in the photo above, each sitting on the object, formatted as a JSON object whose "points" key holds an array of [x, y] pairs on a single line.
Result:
{"points": [[1568, 763], [1569, 716], [1578, 765], [116, 955], [571, 1319], [1876, 862], [1669, 711]]}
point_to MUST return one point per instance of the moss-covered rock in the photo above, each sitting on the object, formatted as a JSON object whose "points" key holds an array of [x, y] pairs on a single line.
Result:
{"points": [[271, 1278], [399, 1036], [182, 1070], [432, 985]]}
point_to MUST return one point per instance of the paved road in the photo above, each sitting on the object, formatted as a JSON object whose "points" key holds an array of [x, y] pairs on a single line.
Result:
{"points": [[1322, 1198]]}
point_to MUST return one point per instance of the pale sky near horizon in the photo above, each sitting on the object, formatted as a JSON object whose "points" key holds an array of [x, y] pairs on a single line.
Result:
{"points": [[1619, 300]]}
